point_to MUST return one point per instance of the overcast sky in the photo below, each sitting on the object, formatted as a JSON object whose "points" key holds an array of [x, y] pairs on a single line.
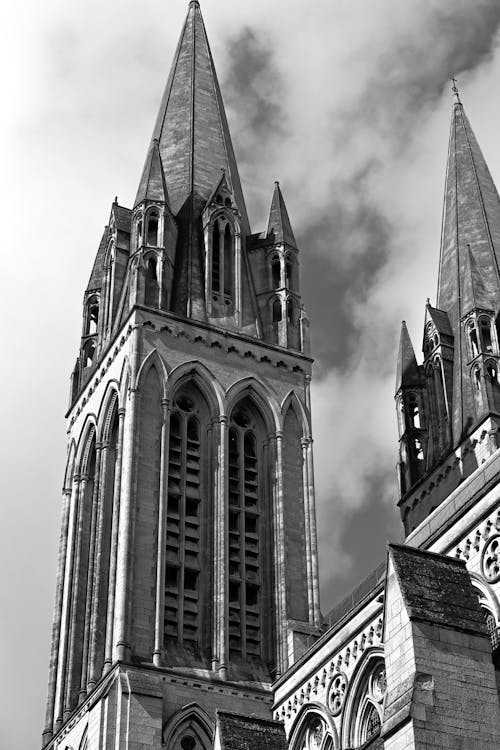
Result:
{"points": [[347, 103]]}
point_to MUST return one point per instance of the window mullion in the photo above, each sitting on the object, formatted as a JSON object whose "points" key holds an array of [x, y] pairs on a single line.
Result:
{"points": [[243, 575], [182, 530]]}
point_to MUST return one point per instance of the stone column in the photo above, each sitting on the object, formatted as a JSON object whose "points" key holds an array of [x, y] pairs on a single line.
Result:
{"points": [[220, 638], [279, 560], [97, 628], [121, 629], [162, 538], [108, 648], [66, 603], [314, 537], [56, 627], [78, 585]]}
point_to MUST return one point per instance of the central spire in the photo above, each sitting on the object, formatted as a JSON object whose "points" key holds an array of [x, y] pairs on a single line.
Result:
{"points": [[191, 127]]}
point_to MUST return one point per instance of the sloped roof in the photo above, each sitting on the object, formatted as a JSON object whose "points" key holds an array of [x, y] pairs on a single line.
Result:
{"points": [[437, 589], [238, 732]]}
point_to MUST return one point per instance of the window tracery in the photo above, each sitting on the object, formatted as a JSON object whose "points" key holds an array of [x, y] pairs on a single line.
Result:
{"points": [[491, 560], [315, 734], [92, 316], [366, 707], [189, 733], [485, 335], [336, 693], [153, 223], [184, 515], [245, 530], [222, 266]]}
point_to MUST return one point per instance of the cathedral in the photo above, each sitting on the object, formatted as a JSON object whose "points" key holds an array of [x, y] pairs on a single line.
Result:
{"points": [[187, 608]]}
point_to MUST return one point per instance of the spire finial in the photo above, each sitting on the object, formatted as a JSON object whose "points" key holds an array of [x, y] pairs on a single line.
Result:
{"points": [[455, 90]]}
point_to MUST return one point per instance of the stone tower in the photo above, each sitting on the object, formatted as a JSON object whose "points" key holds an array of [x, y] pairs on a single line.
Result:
{"points": [[187, 574], [449, 407]]}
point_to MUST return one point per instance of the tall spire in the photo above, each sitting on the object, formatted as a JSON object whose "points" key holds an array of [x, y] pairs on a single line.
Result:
{"points": [[471, 217], [279, 226], [191, 127], [470, 254]]}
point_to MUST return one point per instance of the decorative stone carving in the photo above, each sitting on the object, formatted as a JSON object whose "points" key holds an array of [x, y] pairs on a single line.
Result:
{"points": [[491, 560], [336, 693]]}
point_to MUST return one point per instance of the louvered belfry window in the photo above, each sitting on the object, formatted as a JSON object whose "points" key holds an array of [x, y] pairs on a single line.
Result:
{"points": [[183, 570], [244, 537]]}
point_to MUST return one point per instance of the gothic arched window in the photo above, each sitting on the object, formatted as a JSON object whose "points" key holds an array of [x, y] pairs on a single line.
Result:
{"points": [[222, 272], [485, 334], [186, 509], [365, 706], [277, 310], [413, 411], [139, 232], [153, 220], [191, 732], [276, 272], [474, 346], [151, 290], [91, 316], [314, 734], [228, 261], [246, 529], [88, 353], [289, 274]]}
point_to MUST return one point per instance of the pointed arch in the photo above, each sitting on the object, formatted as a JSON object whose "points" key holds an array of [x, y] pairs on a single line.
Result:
{"points": [[308, 714], [487, 597], [70, 467], [89, 431], [260, 394], [84, 742], [292, 401], [203, 378], [109, 402], [360, 696], [188, 721], [153, 358]]}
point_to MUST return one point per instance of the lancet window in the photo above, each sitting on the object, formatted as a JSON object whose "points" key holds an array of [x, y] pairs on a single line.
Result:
{"points": [[153, 222], [276, 272], [473, 341], [88, 353], [151, 296], [289, 274], [92, 316], [277, 310], [185, 509], [314, 735], [485, 334], [222, 259], [366, 714], [413, 411], [245, 531]]}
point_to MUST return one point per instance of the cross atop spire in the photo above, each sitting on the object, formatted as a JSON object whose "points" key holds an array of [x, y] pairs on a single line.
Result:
{"points": [[455, 90]]}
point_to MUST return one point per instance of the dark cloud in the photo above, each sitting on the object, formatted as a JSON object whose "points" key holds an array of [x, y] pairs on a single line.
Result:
{"points": [[362, 530]]}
